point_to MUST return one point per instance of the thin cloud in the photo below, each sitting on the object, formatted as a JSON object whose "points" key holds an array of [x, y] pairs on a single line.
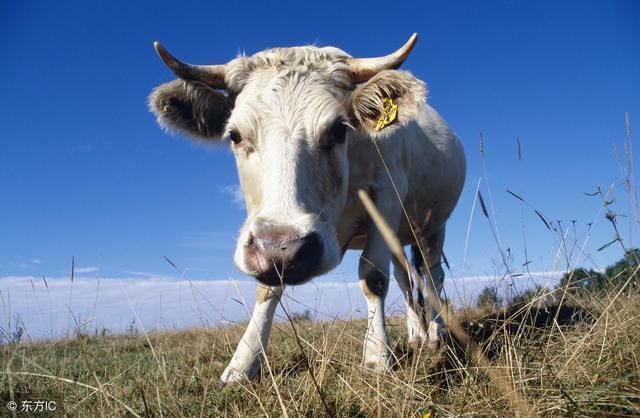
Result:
{"points": [[235, 192], [27, 264], [145, 275], [168, 303], [86, 270]]}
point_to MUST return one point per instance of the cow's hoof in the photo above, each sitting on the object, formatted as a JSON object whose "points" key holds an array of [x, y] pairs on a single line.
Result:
{"points": [[378, 364], [427, 344], [415, 329], [434, 345], [436, 336], [415, 344], [232, 376]]}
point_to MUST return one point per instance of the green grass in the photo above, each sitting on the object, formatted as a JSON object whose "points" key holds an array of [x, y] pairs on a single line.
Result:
{"points": [[579, 360]]}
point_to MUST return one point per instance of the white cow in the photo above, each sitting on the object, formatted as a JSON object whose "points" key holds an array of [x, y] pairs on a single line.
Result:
{"points": [[309, 127]]}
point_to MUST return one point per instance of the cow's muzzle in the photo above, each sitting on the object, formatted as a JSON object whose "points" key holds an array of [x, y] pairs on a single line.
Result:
{"points": [[278, 255]]}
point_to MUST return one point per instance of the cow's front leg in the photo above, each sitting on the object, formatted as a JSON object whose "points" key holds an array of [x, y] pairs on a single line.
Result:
{"points": [[374, 282], [247, 359], [373, 271]]}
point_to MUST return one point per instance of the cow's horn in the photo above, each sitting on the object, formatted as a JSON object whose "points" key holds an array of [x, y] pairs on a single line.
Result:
{"points": [[211, 75], [365, 68]]}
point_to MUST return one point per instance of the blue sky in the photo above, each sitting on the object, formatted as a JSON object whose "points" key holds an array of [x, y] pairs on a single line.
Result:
{"points": [[86, 172]]}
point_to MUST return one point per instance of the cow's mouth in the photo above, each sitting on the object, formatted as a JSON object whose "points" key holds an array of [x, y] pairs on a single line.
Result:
{"points": [[292, 262]]}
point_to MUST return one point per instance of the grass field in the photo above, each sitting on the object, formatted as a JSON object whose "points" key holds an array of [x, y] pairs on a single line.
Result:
{"points": [[577, 359]]}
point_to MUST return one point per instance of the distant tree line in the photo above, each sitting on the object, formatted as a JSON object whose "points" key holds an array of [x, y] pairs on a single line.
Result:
{"points": [[587, 281], [579, 282]]}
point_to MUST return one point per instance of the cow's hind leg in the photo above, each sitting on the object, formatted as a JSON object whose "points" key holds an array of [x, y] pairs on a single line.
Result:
{"points": [[433, 279], [416, 329], [247, 359]]}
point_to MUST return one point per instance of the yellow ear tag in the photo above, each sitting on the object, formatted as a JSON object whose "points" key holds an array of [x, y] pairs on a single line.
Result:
{"points": [[388, 115]]}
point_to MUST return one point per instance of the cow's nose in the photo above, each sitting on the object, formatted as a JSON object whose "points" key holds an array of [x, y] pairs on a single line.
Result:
{"points": [[280, 254], [272, 238]]}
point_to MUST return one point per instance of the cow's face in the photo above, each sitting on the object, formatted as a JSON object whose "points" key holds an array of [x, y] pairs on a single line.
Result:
{"points": [[288, 131], [287, 114]]}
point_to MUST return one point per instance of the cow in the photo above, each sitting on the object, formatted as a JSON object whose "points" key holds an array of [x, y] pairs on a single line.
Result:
{"points": [[309, 127]]}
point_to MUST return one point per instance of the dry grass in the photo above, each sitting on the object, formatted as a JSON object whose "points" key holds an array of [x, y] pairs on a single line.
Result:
{"points": [[580, 359]]}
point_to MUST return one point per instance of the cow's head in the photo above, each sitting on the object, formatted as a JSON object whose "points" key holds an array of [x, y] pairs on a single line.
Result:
{"points": [[288, 114]]}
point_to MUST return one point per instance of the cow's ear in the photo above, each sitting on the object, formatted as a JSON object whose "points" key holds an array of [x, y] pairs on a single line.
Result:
{"points": [[191, 108], [389, 99]]}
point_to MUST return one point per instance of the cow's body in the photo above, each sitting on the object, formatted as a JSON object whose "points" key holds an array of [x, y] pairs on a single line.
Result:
{"points": [[425, 158], [286, 113]]}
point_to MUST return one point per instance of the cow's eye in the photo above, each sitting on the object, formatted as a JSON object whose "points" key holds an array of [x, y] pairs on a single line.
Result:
{"points": [[235, 137], [338, 131], [337, 134]]}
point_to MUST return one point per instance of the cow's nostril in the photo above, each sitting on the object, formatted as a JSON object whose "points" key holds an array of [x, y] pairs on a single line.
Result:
{"points": [[251, 240]]}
